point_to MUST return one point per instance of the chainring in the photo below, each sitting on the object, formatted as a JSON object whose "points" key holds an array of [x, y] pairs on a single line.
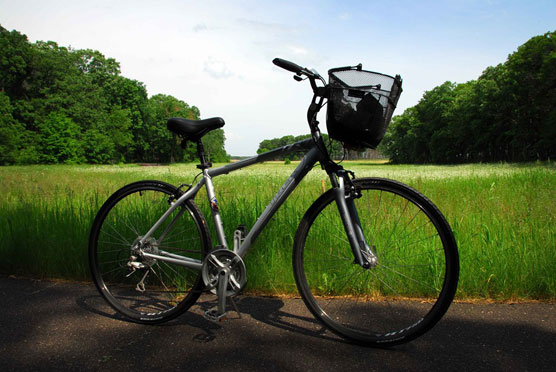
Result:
{"points": [[224, 259]]}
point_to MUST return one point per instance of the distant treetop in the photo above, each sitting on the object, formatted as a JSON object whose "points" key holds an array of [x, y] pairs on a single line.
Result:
{"points": [[64, 105]]}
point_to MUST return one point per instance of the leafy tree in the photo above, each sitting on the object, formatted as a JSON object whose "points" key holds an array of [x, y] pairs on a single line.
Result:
{"points": [[94, 63], [506, 114], [10, 132], [161, 145], [59, 139], [155, 142], [111, 141], [400, 138], [118, 127], [99, 147], [213, 143], [59, 104], [532, 71], [15, 57]]}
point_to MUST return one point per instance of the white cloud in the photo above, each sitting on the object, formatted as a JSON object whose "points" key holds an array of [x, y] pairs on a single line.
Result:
{"points": [[267, 27], [217, 69], [200, 27], [297, 50], [233, 136], [344, 16]]}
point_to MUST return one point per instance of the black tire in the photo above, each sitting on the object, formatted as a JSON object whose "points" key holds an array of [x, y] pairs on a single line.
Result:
{"points": [[169, 289], [413, 283]]}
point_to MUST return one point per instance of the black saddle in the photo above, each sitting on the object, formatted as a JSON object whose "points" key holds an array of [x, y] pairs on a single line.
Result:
{"points": [[193, 130]]}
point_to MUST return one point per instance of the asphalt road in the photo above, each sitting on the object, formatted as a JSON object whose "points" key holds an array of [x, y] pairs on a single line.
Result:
{"points": [[58, 326]]}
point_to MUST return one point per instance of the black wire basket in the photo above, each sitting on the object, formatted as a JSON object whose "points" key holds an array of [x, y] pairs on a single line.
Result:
{"points": [[360, 105]]}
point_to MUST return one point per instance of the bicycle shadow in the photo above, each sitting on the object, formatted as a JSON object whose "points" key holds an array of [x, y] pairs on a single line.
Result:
{"points": [[268, 310], [95, 304], [273, 312], [285, 315]]}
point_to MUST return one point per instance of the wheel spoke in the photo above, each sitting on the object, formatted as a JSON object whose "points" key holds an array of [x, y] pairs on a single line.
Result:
{"points": [[154, 290], [376, 305], [408, 277]]}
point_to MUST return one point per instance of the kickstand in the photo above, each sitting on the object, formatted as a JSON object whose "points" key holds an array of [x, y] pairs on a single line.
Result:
{"points": [[235, 307]]}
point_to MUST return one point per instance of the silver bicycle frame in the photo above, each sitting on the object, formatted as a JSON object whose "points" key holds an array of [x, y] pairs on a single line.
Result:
{"points": [[313, 155]]}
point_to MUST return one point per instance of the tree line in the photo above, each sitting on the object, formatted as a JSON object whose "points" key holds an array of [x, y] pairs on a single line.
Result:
{"points": [[64, 105], [334, 147], [507, 114]]}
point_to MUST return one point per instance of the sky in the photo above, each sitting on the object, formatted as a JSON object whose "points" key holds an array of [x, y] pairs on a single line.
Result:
{"points": [[217, 54]]}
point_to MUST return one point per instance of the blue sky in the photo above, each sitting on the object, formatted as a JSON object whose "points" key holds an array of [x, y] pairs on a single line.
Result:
{"points": [[217, 55]]}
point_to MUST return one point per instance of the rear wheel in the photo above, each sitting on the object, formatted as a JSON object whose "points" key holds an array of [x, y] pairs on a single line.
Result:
{"points": [[409, 289], [143, 289]]}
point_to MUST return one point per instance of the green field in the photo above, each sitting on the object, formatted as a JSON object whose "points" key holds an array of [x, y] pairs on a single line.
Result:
{"points": [[503, 216]]}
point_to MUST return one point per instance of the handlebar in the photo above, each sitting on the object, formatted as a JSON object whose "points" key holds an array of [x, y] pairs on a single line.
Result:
{"points": [[312, 75], [287, 65], [319, 95]]}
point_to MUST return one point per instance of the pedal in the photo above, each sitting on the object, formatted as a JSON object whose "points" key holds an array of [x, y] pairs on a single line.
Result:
{"points": [[239, 237], [218, 314], [214, 315]]}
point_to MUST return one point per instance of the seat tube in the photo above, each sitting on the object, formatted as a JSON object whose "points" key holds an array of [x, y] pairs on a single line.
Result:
{"points": [[218, 224], [349, 223]]}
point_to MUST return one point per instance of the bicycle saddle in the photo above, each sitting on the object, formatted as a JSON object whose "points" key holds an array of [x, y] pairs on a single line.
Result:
{"points": [[193, 129]]}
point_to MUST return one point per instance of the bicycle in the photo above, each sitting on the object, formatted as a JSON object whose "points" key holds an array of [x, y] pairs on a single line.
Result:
{"points": [[374, 260]]}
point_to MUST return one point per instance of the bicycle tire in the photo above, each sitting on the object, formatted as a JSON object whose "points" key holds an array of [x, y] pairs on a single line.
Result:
{"points": [[413, 283], [168, 289]]}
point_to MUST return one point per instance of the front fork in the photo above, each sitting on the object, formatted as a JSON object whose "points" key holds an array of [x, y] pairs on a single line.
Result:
{"points": [[345, 193]]}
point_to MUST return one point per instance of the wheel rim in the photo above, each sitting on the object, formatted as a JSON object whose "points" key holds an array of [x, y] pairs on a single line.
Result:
{"points": [[146, 288], [393, 300]]}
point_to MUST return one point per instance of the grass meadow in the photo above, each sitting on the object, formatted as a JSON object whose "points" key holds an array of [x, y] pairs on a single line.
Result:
{"points": [[503, 216]]}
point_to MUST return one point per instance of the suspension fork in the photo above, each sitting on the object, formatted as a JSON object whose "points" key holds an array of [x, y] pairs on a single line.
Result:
{"points": [[344, 196]]}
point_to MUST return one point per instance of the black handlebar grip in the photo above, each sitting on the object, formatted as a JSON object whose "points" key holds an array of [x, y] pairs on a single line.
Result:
{"points": [[287, 65]]}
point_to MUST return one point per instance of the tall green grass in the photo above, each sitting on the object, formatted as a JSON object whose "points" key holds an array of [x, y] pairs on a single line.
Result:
{"points": [[503, 216]]}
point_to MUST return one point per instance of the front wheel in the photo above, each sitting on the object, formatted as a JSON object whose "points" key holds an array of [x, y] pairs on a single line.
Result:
{"points": [[413, 282], [147, 290]]}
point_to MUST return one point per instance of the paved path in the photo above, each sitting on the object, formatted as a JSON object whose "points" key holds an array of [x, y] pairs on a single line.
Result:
{"points": [[58, 326]]}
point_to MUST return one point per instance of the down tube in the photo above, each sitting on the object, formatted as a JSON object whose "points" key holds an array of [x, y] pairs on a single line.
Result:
{"points": [[291, 183]]}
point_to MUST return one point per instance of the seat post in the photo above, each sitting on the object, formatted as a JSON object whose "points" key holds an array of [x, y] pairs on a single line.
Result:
{"points": [[201, 153]]}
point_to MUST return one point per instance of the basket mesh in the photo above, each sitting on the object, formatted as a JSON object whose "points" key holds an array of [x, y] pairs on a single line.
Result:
{"points": [[360, 105], [362, 79]]}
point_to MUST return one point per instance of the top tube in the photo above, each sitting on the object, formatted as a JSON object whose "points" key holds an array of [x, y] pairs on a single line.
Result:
{"points": [[300, 146]]}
